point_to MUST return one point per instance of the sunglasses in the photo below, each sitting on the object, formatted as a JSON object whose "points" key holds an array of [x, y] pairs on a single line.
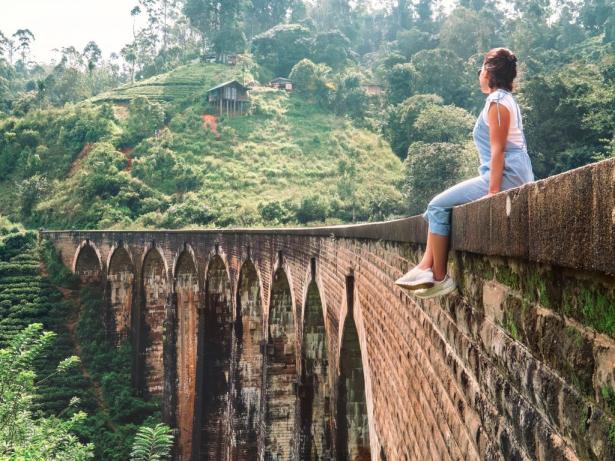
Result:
{"points": [[480, 69]]}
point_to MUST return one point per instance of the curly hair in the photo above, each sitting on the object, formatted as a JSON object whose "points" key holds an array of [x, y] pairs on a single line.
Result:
{"points": [[501, 63]]}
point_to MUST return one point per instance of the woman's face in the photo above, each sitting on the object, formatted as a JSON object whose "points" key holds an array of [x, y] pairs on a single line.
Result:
{"points": [[483, 79]]}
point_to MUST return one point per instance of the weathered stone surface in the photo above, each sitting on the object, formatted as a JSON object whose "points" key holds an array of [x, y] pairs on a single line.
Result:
{"points": [[121, 292], [188, 308], [561, 206], [156, 290], [603, 216]]}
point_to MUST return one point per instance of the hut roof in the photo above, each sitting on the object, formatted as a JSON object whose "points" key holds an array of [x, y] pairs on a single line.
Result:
{"points": [[281, 79], [226, 84]]}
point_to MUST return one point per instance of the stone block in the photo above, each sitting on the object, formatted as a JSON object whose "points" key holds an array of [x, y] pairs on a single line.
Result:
{"points": [[560, 219], [602, 254]]}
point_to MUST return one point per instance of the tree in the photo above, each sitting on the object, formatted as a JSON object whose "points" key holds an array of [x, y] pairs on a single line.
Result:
{"points": [[432, 168], [216, 20], [410, 42], [4, 44], [438, 71], [30, 191], [349, 97], [437, 123], [129, 53], [467, 32], [311, 80], [570, 117], [22, 436], [281, 47], [152, 443], [262, 15], [331, 48], [93, 55], [25, 38], [398, 126]]}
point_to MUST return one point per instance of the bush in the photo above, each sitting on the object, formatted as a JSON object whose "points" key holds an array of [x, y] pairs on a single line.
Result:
{"points": [[311, 80], [144, 118]]}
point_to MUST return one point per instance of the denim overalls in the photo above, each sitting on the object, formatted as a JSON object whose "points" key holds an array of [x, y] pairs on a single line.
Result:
{"points": [[517, 169]]}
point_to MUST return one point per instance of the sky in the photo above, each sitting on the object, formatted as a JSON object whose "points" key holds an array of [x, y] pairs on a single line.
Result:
{"points": [[62, 23]]}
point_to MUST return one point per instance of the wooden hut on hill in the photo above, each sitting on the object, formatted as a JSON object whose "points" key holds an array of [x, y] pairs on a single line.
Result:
{"points": [[229, 98], [281, 83]]}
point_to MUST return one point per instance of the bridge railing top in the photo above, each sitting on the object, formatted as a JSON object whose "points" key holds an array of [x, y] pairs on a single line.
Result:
{"points": [[567, 220]]}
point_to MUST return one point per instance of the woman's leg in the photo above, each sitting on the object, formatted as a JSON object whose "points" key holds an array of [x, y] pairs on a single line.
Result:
{"points": [[438, 216], [439, 245], [427, 260]]}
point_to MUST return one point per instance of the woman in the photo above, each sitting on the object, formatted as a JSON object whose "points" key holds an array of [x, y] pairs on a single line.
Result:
{"points": [[499, 138]]}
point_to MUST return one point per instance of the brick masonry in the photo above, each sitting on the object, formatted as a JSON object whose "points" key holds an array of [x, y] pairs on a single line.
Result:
{"points": [[316, 343]]}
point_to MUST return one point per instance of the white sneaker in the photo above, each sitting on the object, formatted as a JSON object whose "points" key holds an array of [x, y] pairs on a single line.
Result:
{"points": [[439, 288], [416, 278]]}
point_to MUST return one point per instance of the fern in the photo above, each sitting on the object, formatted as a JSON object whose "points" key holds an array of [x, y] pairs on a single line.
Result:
{"points": [[152, 443]]}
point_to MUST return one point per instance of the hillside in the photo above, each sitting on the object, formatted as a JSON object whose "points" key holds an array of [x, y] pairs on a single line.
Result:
{"points": [[94, 164]]}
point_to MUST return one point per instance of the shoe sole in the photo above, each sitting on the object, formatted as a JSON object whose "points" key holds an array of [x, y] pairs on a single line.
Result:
{"points": [[415, 287], [437, 294]]}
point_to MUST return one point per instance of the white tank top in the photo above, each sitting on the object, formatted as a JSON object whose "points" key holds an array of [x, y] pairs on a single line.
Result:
{"points": [[515, 130]]}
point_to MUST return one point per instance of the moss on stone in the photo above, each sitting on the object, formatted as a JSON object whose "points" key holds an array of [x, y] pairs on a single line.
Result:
{"points": [[583, 420], [575, 335], [608, 394], [510, 326], [536, 287], [592, 306], [589, 300], [505, 275]]}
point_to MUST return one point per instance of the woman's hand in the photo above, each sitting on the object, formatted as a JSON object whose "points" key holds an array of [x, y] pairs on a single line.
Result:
{"points": [[499, 122]]}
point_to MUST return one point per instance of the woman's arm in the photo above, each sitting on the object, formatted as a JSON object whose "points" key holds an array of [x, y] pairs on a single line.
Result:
{"points": [[498, 132]]}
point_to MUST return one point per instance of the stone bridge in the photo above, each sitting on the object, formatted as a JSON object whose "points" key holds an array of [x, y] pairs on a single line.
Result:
{"points": [[296, 344]]}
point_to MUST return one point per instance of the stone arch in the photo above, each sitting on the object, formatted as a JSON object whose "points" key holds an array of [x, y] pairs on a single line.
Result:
{"points": [[214, 362], [120, 286], [88, 262], [314, 392], [156, 290], [280, 371], [353, 442], [247, 380], [187, 291]]}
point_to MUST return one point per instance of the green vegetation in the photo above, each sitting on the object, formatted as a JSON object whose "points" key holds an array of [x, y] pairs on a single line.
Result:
{"points": [[95, 400], [430, 168], [152, 443], [22, 434], [187, 82], [510, 325], [289, 153], [592, 305], [120, 411]]}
